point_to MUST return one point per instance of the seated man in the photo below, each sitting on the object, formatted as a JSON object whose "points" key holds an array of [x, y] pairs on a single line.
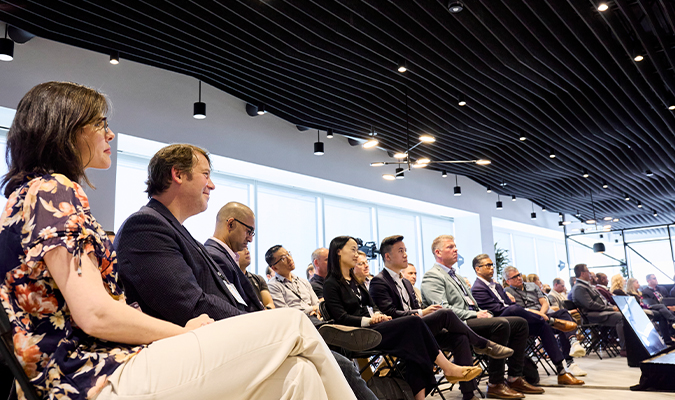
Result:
{"points": [[654, 293], [591, 302], [573, 281], [320, 262], [235, 227], [601, 286], [442, 285], [557, 299], [362, 270], [491, 296], [172, 277], [410, 273], [528, 295], [286, 289], [257, 281], [394, 296]]}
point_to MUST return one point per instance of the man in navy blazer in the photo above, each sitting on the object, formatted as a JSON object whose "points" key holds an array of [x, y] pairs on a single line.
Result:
{"points": [[491, 296], [394, 296], [235, 228]]}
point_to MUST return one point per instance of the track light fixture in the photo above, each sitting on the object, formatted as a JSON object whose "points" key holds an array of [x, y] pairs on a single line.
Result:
{"points": [[585, 173], [460, 100], [458, 190], [199, 109], [604, 184], [114, 57], [402, 66], [6, 47], [499, 203], [626, 197], [261, 109], [551, 154], [533, 215], [455, 7], [318, 145], [639, 204], [603, 6], [444, 174], [513, 197], [329, 133], [489, 189]]}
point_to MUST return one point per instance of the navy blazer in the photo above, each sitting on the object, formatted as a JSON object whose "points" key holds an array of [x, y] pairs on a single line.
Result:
{"points": [[386, 297], [648, 293], [233, 273], [167, 271], [486, 298]]}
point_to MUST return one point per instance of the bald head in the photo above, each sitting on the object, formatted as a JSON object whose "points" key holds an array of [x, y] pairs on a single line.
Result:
{"points": [[235, 225]]}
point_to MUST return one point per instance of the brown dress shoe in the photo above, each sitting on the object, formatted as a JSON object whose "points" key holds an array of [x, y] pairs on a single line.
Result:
{"points": [[569, 379], [501, 391], [564, 326], [522, 386]]}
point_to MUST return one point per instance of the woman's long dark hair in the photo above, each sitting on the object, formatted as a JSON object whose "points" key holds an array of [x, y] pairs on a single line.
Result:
{"points": [[43, 135], [334, 269]]}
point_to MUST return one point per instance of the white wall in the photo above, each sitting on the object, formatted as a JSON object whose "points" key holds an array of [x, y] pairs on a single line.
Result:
{"points": [[157, 104]]}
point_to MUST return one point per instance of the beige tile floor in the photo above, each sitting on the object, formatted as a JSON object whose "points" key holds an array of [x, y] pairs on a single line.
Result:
{"points": [[609, 378]]}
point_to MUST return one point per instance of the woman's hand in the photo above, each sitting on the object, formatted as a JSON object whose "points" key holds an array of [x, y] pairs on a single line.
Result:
{"points": [[198, 322]]}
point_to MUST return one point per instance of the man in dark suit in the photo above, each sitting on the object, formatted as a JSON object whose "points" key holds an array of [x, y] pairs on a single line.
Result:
{"points": [[590, 301], [601, 286], [320, 262], [168, 273], [235, 228], [394, 296], [491, 296], [655, 293]]}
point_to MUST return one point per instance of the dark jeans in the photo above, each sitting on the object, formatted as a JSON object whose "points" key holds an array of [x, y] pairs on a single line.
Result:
{"points": [[507, 331], [454, 335], [564, 337], [609, 318], [538, 327], [353, 378]]}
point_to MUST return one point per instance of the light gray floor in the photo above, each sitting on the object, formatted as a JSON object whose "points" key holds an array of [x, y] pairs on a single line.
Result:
{"points": [[609, 378]]}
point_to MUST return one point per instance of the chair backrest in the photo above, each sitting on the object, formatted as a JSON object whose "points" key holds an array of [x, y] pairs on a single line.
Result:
{"points": [[324, 312], [569, 305], [7, 352]]}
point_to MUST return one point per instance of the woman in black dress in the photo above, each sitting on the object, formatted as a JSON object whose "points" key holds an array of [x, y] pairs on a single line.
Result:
{"points": [[408, 338]]}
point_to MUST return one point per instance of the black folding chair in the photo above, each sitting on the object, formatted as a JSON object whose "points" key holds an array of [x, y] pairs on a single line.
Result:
{"points": [[596, 337], [7, 353], [537, 353]]}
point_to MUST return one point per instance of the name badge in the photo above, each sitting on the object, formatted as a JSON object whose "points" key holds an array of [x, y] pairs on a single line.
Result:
{"points": [[235, 293], [469, 300]]}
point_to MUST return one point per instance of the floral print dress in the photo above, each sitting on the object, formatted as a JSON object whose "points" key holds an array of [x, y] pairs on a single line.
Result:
{"points": [[61, 360]]}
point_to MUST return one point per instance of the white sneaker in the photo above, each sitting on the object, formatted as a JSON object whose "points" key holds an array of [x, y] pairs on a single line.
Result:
{"points": [[577, 350], [575, 370]]}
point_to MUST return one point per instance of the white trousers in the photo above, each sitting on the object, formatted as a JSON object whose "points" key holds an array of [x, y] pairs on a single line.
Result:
{"points": [[276, 354]]}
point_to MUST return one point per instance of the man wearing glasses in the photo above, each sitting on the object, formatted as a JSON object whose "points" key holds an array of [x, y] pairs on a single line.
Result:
{"points": [[288, 290], [235, 228], [491, 296]]}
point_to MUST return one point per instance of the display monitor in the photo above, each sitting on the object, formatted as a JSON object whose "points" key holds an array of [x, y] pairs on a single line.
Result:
{"points": [[642, 326]]}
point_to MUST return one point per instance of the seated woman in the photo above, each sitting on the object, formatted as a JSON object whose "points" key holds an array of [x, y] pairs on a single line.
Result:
{"points": [[408, 338], [659, 312], [72, 330]]}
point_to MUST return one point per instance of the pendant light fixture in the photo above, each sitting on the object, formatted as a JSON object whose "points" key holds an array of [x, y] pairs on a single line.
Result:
{"points": [[318, 145], [458, 190], [604, 184], [489, 189], [329, 133], [444, 174], [513, 197], [499, 203], [639, 204], [522, 136], [551, 154], [114, 57], [460, 100], [594, 219], [402, 66], [261, 109], [399, 173], [533, 215], [585, 173], [199, 109], [6, 47]]}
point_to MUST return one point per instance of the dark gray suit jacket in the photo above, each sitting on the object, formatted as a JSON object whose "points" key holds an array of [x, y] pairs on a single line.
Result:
{"points": [[167, 271], [591, 302]]}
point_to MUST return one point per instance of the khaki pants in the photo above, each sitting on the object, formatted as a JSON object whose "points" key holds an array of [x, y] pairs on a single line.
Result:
{"points": [[276, 354]]}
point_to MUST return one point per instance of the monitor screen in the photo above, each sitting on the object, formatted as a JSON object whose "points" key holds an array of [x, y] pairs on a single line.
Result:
{"points": [[642, 326]]}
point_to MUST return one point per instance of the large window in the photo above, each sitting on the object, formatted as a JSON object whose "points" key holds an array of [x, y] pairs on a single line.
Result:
{"points": [[300, 219]]}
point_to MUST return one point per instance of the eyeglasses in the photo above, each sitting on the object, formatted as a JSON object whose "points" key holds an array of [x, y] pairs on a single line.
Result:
{"points": [[103, 123], [516, 276], [249, 229], [489, 265], [285, 256]]}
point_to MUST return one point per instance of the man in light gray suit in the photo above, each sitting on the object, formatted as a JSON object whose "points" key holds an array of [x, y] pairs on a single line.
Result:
{"points": [[442, 285], [590, 301]]}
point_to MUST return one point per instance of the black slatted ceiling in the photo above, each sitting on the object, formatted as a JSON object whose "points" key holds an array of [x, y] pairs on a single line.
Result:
{"points": [[558, 70]]}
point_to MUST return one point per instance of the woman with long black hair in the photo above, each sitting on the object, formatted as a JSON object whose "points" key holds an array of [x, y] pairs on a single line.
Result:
{"points": [[408, 338]]}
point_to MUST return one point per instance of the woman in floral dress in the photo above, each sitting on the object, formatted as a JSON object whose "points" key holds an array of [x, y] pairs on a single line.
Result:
{"points": [[73, 332]]}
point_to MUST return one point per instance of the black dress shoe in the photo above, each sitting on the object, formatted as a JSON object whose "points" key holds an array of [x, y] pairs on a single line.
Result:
{"points": [[349, 337]]}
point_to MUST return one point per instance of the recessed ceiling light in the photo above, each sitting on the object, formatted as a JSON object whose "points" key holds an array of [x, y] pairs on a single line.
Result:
{"points": [[649, 173], [455, 7]]}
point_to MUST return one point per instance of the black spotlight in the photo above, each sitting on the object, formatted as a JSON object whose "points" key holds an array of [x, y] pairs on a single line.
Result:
{"points": [[6, 47], [399, 173], [318, 145], [599, 247], [114, 57], [444, 174], [199, 109], [329, 133], [533, 215], [455, 7], [499, 205], [458, 189], [649, 173]]}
